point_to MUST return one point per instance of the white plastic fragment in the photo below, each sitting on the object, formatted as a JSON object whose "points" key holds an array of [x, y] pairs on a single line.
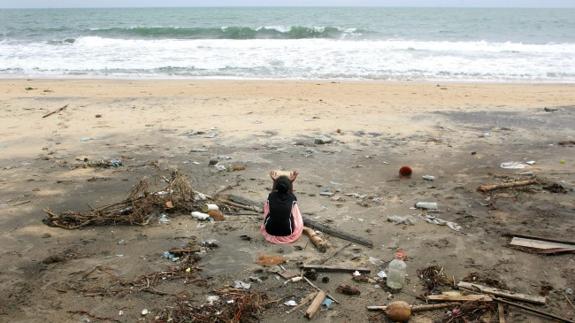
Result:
{"points": [[200, 216], [290, 303]]}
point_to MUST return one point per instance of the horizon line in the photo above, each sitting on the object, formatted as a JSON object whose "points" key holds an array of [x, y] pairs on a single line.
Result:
{"points": [[315, 6]]}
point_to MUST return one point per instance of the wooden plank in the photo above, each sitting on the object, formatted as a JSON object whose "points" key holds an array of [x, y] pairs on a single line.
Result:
{"points": [[315, 305], [315, 238], [503, 293], [528, 236], [460, 298], [501, 312], [538, 244], [322, 268], [337, 233]]}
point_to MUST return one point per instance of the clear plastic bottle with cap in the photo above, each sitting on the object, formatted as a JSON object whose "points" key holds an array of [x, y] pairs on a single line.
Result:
{"points": [[397, 271]]}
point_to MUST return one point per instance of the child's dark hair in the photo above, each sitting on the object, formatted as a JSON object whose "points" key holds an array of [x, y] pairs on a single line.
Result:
{"points": [[283, 185]]}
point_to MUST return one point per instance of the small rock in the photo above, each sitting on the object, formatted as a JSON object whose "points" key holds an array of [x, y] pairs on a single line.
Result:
{"points": [[322, 140]]}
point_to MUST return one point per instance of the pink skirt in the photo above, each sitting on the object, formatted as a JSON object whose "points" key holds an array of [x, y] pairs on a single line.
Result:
{"points": [[298, 221]]}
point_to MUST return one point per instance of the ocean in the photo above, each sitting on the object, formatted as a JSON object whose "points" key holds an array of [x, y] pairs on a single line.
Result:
{"points": [[404, 44]]}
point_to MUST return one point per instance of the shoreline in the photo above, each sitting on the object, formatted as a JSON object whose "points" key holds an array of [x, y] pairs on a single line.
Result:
{"points": [[286, 80]]}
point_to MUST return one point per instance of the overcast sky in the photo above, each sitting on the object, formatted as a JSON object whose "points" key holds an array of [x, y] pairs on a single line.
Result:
{"points": [[214, 3]]}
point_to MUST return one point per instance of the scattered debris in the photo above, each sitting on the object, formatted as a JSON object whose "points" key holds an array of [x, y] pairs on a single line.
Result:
{"points": [[396, 219], [238, 284], [555, 188], [435, 220], [322, 140], [234, 305], [137, 209], [265, 260], [427, 205], [348, 289], [434, 277], [535, 310], [430, 178], [458, 297]]}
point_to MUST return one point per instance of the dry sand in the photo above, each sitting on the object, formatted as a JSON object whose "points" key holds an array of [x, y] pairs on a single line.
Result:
{"points": [[459, 133]]}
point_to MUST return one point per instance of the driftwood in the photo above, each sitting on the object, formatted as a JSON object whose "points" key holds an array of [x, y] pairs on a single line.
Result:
{"points": [[315, 305], [492, 187], [535, 310], [501, 312], [319, 290], [416, 308], [55, 111], [304, 301], [460, 298], [543, 247], [528, 236], [315, 238], [336, 233], [321, 268], [503, 293]]}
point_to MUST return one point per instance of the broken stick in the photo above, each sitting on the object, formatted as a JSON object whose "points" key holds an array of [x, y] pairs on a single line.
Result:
{"points": [[492, 187], [317, 241], [535, 310], [323, 268], [460, 298], [55, 111], [336, 233], [416, 308], [315, 305], [502, 293]]}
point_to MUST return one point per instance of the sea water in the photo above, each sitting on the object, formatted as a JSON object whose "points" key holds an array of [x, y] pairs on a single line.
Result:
{"points": [[447, 44]]}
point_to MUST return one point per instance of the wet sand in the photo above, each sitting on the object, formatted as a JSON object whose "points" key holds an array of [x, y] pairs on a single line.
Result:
{"points": [[459, 133]]}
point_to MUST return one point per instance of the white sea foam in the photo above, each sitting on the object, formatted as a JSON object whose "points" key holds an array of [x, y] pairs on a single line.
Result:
{"points": [[293, 58]]}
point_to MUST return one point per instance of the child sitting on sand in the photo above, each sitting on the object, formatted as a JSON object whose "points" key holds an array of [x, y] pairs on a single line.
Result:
{"points": [[283, 222]]}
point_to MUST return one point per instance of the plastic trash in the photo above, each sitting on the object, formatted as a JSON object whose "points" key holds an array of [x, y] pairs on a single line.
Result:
{"points": [[241, 285], [170, 256], [163, 219], [435, 220], [402, 219], [290, 303], [382, 274], [212, 299], [327, 302], [396, 272], [210, 207], [220, 167], [145, 312], [200, 216], [356, 273], [428, 177], [513, 165], [426, 205]]}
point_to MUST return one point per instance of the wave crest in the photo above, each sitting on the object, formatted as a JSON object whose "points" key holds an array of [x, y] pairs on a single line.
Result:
{"points": [[232, 32]]}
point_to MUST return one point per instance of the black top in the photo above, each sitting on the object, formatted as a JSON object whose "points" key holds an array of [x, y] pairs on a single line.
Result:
{"points": [[279, 221]]}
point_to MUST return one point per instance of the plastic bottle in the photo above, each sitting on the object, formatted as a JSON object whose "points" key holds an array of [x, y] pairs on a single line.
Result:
{"points": [[397, 271]]}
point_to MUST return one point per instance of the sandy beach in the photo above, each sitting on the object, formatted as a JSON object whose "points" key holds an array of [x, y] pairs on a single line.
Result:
{"points": [[458, 132]]}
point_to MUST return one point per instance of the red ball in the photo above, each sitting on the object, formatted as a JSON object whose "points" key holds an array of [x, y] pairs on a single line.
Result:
{"points": [[405, 171]]}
